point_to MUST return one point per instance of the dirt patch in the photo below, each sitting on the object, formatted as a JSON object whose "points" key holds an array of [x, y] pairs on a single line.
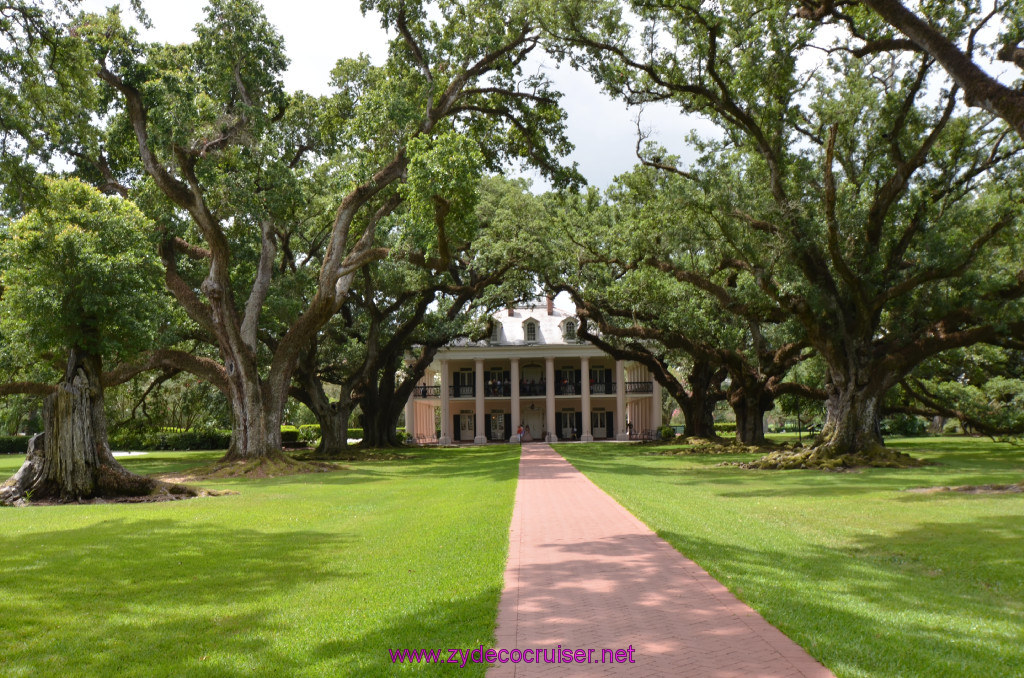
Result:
{"points": [[147, 499], [356, 455], [267, 467], [972, 489]]}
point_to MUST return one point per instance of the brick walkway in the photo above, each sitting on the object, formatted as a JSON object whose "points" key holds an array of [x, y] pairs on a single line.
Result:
{"points": [[584, 573]]}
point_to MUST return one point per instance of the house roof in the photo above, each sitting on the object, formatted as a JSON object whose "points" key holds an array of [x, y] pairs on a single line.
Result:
{"points": [[549, 327], [513, 327]]}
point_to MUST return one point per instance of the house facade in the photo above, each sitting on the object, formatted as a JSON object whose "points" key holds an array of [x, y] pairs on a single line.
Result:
{"points": [[532, 372]]}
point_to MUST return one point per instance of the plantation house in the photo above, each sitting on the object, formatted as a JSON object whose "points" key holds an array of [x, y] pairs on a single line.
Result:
{"points": [[532, 372]]}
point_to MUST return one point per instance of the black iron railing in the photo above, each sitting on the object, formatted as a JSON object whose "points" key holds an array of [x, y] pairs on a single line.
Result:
{"points": [[567, 388], [639, 387], [426, 391]]}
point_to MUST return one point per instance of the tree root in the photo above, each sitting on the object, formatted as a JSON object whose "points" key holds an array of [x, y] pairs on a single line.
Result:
{"points": [[825, 458], [354, 454], [269, 466], [705, 446], [112, 484]]}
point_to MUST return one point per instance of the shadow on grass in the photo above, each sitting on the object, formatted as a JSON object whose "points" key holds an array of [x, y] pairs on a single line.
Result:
{"points": [[171, 599], [453, 624], [151, 597], [891, 605]]}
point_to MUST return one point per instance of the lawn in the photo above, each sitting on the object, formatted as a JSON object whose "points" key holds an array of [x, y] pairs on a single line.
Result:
{"points": [[312, 575], [871, 579]]}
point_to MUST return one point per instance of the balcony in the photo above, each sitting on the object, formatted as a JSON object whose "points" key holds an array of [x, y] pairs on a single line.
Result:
{"points": [[462, 391], [607, 388], [532, 388], [426, 391], [502, 390], [567, 388], [639, 387]]}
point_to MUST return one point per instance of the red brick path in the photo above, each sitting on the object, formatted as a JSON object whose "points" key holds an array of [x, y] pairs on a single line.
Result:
{"points": [[584, 573]]}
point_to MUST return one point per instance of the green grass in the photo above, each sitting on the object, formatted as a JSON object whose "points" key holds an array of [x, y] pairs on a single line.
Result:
{"points": [[872, 580], [311, 575]]}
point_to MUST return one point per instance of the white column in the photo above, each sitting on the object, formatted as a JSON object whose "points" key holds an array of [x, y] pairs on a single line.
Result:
{"points": [[514, 372], [480, 438], [620, 402], [549, 392], [410, 416], [586, 435], [655, 404], [446, 407]]}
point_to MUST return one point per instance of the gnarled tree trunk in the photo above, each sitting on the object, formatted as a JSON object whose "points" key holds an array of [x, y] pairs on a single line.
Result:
{"points": [[698, 402], [852, 414], [71, 459], [750, 400]]}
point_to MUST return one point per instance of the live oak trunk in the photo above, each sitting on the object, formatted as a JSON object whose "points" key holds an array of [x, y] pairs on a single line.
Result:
{"points": [[750, 405], [698, 404], [332, 417], [71, 459], [334, 431], [852, 418], [381, 407], [380, 423]]}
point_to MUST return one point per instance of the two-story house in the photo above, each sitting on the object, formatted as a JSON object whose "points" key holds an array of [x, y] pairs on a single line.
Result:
{"points": [[531, 373]]}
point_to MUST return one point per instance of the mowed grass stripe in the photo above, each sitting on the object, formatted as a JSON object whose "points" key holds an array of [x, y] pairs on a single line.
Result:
{"points": [[871, 579], [311, 575]]}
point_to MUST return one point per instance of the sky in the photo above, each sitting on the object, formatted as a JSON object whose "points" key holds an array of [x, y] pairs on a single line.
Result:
{"points": [[319, 32]]}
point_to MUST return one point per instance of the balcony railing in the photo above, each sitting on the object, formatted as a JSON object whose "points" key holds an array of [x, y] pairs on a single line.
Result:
{"points": [[502, 390], [426, 391], [532, 389], [567, 388]]}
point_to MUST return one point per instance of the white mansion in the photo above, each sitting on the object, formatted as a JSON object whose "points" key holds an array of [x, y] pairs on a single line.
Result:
{"points": [[532, 372]]}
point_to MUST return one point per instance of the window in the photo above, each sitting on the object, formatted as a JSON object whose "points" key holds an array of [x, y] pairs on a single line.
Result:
{"points": [[570, 331], [531, 331], [496, 333]]}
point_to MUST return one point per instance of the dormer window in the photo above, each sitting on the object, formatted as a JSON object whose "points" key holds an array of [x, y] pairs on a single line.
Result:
{"points": [[531, 331], [496, 333], [570, 331]]}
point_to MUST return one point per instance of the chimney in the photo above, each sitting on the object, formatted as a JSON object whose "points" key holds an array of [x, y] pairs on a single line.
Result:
{"points": [[511, 312], [551, 305]]}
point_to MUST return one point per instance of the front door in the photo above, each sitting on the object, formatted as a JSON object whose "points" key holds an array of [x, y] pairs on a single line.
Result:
{"points": [[567, 425], [599, 424], [534, 423], [467, 427], [498, 427]]}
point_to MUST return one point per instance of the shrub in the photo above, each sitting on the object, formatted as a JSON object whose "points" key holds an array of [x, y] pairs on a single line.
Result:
{"points": [[725, 426], [212, 439], [309, 433], [355, 433], [903, 425], [666, 433], [14, 444], [289, 435]]}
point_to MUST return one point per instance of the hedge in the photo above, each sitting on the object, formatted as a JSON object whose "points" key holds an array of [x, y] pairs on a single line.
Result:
{"points": [[14, 444], [217, 439], [728, 426]]}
